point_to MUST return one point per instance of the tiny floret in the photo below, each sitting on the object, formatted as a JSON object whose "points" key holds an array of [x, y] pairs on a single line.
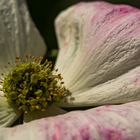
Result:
{"points": [[33, 86]]}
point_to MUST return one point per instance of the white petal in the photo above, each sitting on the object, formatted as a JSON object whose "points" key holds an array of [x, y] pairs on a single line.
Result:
{"points": [[8, 114], [98, 43], [18, 35], [118, 122]]}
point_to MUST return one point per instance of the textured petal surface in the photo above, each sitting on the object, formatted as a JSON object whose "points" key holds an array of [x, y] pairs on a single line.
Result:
{"points": [[122, 89], [118, 122], [99, 53], [8, 114], [18, 35]]}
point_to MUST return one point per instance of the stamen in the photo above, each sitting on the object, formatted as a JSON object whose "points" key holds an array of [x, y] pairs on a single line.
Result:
{"points": [[17, 61], [2, 74]]}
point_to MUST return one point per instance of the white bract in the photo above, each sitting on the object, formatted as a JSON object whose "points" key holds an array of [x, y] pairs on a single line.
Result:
{"points": [[99, 53], [99, 61], [18, 37], [117, 122]]}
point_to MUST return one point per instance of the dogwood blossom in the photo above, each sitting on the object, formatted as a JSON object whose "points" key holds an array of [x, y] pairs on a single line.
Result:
{"points": [[99, 61]]}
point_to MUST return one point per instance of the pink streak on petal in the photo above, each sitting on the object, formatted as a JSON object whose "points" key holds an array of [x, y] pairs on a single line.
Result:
{"points": [[116, 122]]}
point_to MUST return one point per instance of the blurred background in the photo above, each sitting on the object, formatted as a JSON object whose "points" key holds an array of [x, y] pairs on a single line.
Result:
{"points": [[43, 13]]}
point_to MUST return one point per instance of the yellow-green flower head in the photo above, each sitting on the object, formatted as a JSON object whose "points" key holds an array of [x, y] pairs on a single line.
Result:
{"points": [[33, 86]]}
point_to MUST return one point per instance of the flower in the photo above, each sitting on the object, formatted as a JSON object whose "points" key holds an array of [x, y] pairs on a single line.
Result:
{"points": [[99, 61]]}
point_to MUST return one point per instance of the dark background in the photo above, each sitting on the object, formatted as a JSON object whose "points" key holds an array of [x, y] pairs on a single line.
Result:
{"points": [[43, 13]]}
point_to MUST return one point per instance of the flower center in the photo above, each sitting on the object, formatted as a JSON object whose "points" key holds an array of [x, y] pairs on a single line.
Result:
{"points": [[33, 86]]}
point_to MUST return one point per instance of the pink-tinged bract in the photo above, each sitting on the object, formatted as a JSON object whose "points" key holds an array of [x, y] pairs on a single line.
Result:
{"points": [[111, 122], [99, 53]]}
